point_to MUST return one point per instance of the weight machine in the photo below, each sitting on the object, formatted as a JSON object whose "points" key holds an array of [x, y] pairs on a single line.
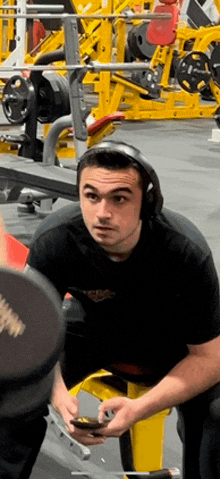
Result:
{"points": [[160, 91], [22, 101], [13, 34]]}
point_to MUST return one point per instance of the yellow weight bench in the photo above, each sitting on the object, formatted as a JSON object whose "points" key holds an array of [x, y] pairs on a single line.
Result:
{"points": [[141, 448]]}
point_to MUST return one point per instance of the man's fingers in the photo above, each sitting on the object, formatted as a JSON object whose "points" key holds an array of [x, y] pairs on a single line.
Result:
{"points": [[92, 441], [109, 405], [68, 413], [101, 416], [87, 438]]}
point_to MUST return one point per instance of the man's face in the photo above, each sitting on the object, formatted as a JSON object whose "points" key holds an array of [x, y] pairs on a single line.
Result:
{"points": [[111, 203]]}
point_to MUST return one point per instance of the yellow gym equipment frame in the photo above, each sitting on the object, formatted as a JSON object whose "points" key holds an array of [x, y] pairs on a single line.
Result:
{"points": [[173, 102], [147, 436]]}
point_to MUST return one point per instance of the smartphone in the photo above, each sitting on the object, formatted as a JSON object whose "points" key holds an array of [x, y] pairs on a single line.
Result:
{"points": [[86, 422]]}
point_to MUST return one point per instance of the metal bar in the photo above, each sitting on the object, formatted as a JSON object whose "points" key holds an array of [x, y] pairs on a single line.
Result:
{"points": [[144, 16], [40, 8], [75, 77], [8, 7], [49, 151], [45, 8], [163, 474], [93, 67], [96, 66]]}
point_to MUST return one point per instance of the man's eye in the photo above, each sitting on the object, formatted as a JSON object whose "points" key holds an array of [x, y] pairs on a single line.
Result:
{"points": [[120, 199], [91, 196]]}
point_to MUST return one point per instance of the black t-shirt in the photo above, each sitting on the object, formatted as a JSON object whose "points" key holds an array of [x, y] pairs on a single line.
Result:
{"points": [[150, 306]]}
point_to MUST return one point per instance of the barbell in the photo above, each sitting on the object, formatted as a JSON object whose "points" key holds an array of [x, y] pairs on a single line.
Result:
{"points": [[92, 66], [111, 16], [51, 100], [52, 96]]}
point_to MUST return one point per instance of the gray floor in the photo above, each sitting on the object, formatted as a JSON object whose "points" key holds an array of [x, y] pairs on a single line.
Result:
{"points": [[188, 166]]}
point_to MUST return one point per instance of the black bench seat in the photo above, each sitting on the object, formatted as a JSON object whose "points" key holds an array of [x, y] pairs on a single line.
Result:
{"points": [[58, 181]]}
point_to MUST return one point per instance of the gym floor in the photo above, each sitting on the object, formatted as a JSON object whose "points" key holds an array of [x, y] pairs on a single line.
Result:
{"points": [[188, 165]]}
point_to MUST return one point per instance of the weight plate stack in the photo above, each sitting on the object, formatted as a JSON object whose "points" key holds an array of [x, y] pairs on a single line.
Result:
{"points": [[148, 79], [18, 99], [53, 98], [138, 44], [193, 72]]}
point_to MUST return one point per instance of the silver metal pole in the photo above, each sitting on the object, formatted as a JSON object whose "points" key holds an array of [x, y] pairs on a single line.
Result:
{"points": [[40, 8], [147, 16], [44, 8], [93, 67]]}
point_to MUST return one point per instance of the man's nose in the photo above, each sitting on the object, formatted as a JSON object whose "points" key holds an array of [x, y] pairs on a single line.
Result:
{"points": [[104, 210]]}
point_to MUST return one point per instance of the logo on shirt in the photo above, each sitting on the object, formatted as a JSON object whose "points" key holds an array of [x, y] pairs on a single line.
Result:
{"points": [[98, 294]]}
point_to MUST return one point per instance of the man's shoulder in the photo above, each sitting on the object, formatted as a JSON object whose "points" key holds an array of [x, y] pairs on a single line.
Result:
{"points": [[181, 230], [60, 221]]}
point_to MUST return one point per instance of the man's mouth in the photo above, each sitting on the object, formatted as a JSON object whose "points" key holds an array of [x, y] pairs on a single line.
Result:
{"points": [[103, 228]]}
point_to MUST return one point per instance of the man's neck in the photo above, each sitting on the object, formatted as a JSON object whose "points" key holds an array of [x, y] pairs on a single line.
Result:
{"points": [[119, 256], [123, 251]]}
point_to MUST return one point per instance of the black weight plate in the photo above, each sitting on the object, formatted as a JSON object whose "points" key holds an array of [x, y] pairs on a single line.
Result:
{"points": [[38, 152], [56, 23], [207, 95], [64, 89], [217, 117], [136, 77], [129, 56], [138, 44], [148, 80], [193, 72], [215, 64], [31, 338], [18, 99], [174, 65], [147, 49], [52, 98]]}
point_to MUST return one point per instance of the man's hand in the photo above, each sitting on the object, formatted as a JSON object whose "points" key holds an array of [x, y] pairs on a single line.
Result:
{"points": [[68, 408], [124, 411], [65, 404], [125, 415]]}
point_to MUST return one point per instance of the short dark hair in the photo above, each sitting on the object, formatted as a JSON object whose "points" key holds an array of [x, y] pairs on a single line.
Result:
{"points": [[111, 160]]}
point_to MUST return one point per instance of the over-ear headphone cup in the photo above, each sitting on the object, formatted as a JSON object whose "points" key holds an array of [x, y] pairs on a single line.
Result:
{"points": [[150, 202]]}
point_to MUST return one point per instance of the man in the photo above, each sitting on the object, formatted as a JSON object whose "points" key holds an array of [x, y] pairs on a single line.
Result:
{"points": [[146, 294]]}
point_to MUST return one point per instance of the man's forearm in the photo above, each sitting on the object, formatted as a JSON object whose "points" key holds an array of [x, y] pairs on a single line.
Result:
{"points": [[190, 377], [59, 384]]}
